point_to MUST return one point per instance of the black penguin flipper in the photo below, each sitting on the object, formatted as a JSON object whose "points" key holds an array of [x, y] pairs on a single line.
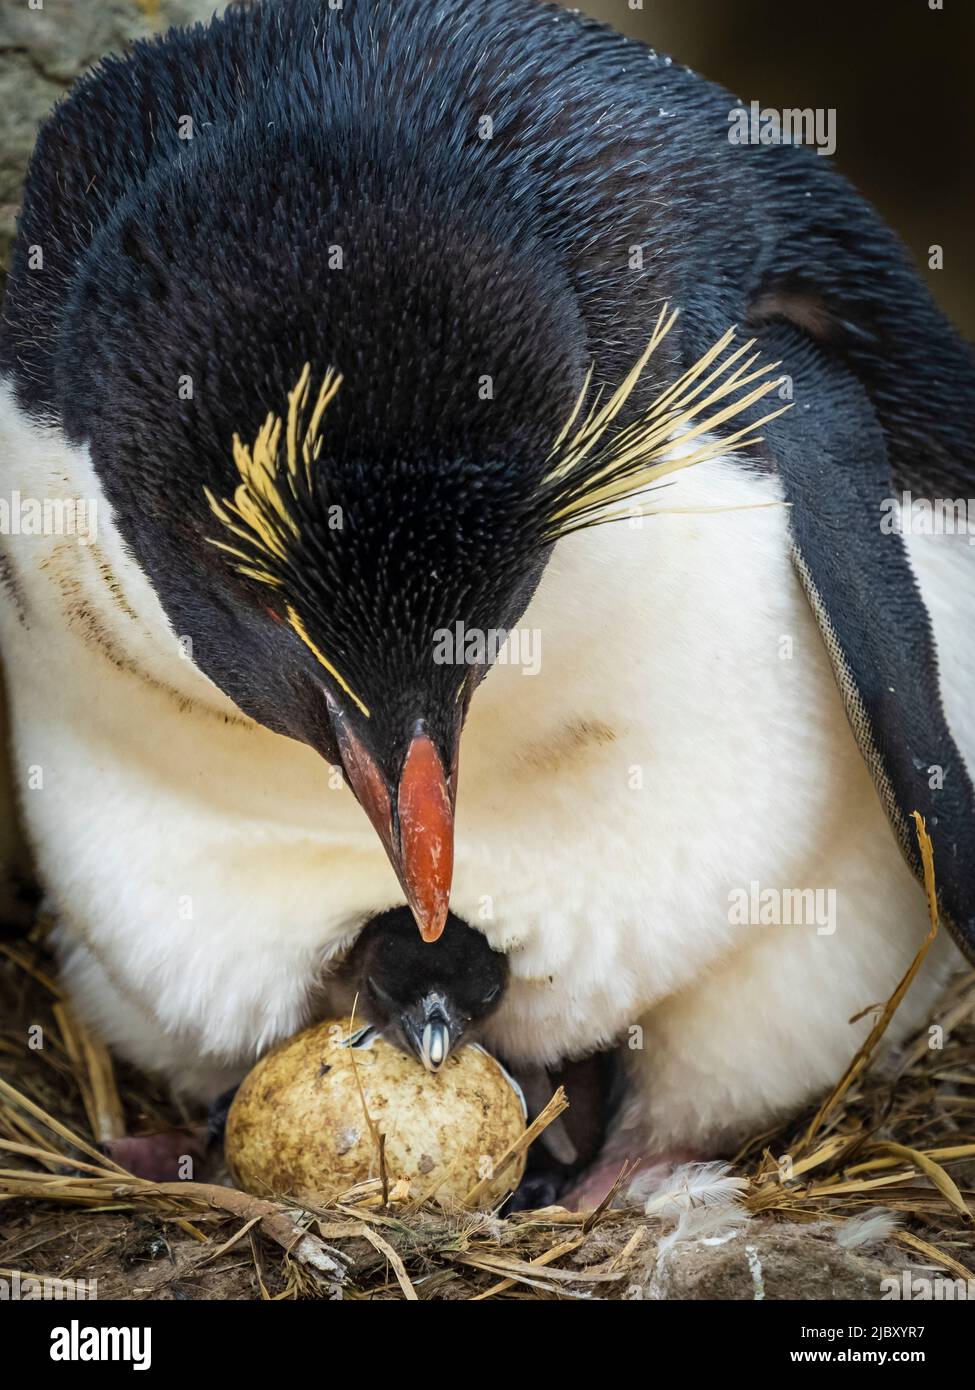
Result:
{"points": [[831, 455]]}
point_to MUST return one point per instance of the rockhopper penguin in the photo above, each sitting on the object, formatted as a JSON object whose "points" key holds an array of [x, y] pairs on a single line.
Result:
{"points": [[355, 325]]}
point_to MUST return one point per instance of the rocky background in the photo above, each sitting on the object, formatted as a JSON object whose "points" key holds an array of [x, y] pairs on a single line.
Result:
{"points": [[44, 45]]}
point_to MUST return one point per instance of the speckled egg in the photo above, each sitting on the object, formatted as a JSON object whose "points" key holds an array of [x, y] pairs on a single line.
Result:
{"points": [[297, 1126]]}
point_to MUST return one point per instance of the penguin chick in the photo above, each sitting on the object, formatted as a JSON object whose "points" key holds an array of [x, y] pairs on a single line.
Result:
{"points": [[425, 997]]}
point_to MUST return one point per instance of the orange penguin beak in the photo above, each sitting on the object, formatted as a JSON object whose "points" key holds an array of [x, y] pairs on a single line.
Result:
{"points": [[426, 836], [419, 839]]}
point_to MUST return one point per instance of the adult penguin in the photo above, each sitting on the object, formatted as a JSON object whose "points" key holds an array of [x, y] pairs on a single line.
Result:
{"points": [[350, 326]]}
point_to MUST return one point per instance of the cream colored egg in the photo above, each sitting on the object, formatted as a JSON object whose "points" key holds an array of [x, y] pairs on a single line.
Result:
{"points": [[298, 1128]]}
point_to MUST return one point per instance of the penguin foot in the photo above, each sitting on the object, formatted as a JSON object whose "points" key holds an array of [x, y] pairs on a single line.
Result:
{"points": [[176, 1155]]}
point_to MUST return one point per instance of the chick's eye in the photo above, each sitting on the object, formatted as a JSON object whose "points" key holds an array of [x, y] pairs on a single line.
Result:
{"points": [[376, 991], [491, 994]]}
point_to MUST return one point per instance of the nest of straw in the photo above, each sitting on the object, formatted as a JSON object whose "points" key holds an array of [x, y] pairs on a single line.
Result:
{"points": [[896, 1134]]}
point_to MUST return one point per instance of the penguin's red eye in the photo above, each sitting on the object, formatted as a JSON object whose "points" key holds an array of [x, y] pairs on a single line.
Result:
{"points": [[272, 614]]}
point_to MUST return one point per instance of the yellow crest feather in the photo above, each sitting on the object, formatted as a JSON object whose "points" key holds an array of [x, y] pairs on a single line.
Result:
{"points": [[259, 515], [592, 470]]}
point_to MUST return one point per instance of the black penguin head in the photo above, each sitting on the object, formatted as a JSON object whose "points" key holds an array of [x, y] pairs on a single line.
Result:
{"points": [[426, 999]]}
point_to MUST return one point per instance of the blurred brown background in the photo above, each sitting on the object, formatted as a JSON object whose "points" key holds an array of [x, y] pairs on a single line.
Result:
{"points": [[899, 76], [897, 72]]}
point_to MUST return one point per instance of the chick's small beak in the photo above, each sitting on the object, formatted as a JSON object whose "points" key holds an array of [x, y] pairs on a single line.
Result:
{"points": [[433, 1039], [419, 838]]}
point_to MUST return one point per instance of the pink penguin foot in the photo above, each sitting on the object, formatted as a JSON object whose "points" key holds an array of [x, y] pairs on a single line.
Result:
{"points": [[173, 1156]]}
